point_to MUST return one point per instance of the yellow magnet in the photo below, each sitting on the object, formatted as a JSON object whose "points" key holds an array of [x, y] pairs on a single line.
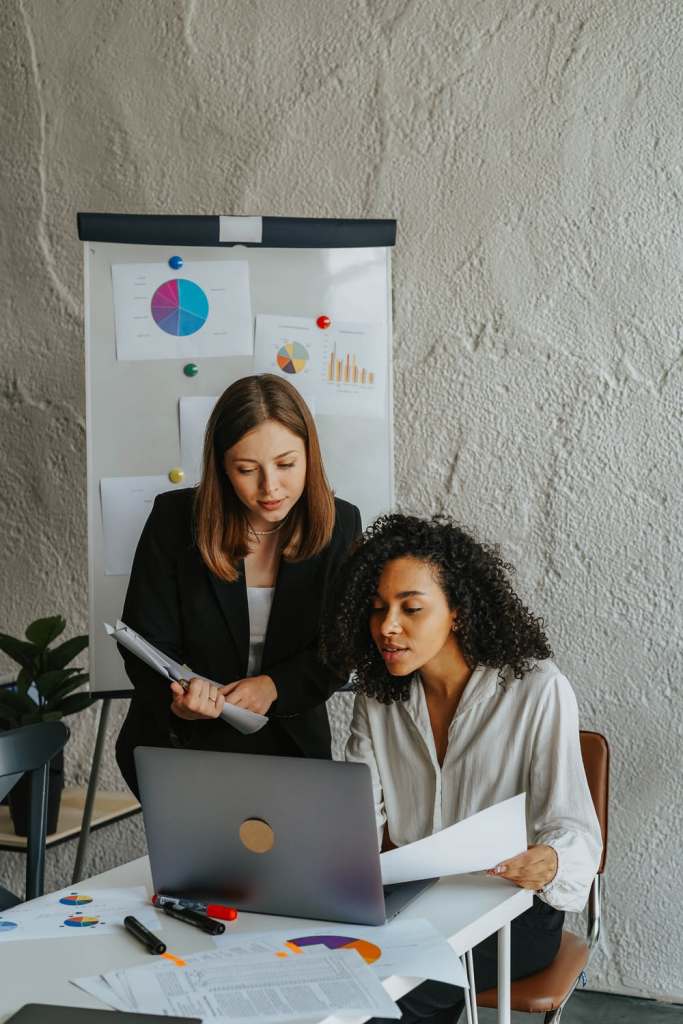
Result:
{"points": [[177, 475]]}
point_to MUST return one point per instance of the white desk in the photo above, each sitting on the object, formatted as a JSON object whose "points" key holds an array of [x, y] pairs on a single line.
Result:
{"points": [[465, 910]]}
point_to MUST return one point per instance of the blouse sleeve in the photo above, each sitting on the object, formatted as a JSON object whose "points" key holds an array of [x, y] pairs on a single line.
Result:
{"points": [[561, 811], [359, 750]]}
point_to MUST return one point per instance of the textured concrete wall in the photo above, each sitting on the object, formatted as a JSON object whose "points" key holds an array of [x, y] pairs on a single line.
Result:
{"points": [[531, 152]]}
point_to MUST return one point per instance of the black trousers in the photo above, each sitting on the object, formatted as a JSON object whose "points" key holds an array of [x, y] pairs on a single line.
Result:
{"points": [[534, 942]]}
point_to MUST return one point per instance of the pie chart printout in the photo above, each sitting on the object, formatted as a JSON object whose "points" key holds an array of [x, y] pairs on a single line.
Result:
{"points": [[367, 950], [180, 307], [79, 921], [292, 357], [75, 899], [7, 926]]}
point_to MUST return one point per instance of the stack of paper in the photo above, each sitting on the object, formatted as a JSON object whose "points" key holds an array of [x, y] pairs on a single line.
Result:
{"points": [[230, 988]]}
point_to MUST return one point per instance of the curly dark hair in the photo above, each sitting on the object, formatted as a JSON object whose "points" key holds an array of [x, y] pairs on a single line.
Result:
{"points": [[493, 627]]}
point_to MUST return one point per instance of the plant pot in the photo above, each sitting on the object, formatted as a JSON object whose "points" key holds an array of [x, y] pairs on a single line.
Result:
{"points": [[18, 797]]}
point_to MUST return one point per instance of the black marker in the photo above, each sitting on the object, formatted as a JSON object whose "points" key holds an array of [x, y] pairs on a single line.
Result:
{"points": [[198, 920], [143, 935]]}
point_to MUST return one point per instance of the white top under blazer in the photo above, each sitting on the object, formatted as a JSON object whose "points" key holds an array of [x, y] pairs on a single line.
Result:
{"points": [[509, 737]]}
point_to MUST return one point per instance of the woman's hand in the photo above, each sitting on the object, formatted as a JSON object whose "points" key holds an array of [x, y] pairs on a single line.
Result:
{"points": [[201, 700], [256, 693], [531, 870]]}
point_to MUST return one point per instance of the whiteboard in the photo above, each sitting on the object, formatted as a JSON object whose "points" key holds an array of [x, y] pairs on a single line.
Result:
{"points": [[132, 406]]}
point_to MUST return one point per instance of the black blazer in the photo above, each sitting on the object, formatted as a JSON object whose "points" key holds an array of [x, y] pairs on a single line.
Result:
{"points": [[176, 603]]}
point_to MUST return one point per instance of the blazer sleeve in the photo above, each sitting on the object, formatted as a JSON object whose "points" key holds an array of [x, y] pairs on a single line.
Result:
{"points": [[152, 609], [303, 682], [561, 811]]}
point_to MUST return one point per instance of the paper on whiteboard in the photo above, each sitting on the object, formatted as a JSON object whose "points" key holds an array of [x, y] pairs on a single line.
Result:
{"points": [[194, 416], [126, 504], [475, 844], [202, 310], [343, 367], [253, 986], [241, 719], [411, 948]]}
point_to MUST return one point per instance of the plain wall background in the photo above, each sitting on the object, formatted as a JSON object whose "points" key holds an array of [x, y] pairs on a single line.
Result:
{"points": [[531, 152]]}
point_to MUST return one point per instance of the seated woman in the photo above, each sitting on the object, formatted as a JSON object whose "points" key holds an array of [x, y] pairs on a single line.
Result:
{"points": [[458, 707]]}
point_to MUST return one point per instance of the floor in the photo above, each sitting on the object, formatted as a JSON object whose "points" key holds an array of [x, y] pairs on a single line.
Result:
{"points": [[598, 1008]]}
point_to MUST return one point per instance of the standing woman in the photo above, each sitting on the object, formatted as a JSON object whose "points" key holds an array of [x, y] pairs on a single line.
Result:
{"points": [[458, 707], [230, 577]]}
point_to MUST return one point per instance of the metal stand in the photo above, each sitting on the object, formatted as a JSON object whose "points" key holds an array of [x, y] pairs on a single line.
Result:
{"points": [[84, 836]]}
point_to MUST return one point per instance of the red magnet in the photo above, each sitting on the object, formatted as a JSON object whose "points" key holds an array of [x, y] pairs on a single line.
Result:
{"points": [[323, 322]]}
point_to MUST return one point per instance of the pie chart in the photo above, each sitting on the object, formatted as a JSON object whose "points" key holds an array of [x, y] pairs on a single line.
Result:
{"points": [[7, 926], [180, 307], [367, 950], [75, 899], [78, 921], [292, 357]]}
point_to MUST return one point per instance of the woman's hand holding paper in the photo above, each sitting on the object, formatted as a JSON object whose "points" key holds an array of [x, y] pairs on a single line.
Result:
{"points": [[201, 700], [531, 870], [256, 693]]}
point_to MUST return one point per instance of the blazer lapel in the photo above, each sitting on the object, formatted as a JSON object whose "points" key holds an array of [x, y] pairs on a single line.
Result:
{"points": [[232, 598]]}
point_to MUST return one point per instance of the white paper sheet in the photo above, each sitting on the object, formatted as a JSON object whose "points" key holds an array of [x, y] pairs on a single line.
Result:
{"points": [[411, 948], [241, 719], [343, 367], [126, 504], [201, 310], [71, 912], [252, 986], [194, 415], [475, 844]]}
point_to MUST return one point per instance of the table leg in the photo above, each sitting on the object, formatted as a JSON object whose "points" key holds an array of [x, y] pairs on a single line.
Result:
{"points": [[472, 993], [92, 790], [468, 1008], [504, 974]]}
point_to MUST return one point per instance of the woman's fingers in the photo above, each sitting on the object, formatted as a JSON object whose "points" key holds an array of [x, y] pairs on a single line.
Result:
{"points": [[530, 870], [201, 699]]}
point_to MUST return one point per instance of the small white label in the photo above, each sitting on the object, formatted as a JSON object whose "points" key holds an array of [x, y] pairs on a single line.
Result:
{"points": [[240, 229]]}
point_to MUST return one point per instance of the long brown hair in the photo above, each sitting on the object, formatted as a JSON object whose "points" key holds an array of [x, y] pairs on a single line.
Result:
{"points": [[220, 517]]}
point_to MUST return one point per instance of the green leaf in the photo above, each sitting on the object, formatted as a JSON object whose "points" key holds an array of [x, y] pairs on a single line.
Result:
{"points": [[24, 680], [43, 631], [21, 652], [39, 716], [77, 702], [15, 703], [55, 698], [62, 655], [48, 682]]}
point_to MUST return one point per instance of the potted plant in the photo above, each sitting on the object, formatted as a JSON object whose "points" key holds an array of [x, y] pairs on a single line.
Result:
{"points": [[42, 692]]}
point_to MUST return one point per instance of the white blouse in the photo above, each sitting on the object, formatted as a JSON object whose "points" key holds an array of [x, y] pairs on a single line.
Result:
{"points": [[260, 601], [520, 735]]}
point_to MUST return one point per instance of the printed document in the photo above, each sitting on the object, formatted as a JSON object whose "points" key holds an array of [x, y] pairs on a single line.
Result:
{"points": [[244, 721], [475, 844], [242, 989], [71, 912]]}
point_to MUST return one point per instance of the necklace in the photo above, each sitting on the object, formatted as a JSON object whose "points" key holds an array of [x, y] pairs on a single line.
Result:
{"points": [[266, 533]]}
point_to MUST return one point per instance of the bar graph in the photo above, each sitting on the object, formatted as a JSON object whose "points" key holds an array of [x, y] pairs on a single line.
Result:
{"points": [[344, 369]]}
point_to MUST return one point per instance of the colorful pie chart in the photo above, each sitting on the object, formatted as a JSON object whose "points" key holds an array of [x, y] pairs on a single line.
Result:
{"points": [[292, 357], [180, 307], [79, 921], [75, 899], [367, 950], [7, 926]]}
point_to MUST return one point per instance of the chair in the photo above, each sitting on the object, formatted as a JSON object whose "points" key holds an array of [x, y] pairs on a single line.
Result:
{"points": [[30, 749], [547, 991]]}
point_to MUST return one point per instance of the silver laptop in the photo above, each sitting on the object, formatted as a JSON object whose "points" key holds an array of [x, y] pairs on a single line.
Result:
{"points": [[272, 835]]}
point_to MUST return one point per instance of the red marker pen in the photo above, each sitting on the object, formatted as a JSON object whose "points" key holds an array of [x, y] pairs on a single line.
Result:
{"points": [[215, 910]]}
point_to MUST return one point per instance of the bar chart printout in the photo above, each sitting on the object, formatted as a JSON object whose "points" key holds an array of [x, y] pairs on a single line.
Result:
{"points": [[343, 368]]}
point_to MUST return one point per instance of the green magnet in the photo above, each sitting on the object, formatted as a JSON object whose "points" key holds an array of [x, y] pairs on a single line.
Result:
{"points": [[190, 369]]}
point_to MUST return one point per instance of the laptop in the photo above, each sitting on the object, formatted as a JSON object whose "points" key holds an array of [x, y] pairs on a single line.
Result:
{"points": [[290, 836]]}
